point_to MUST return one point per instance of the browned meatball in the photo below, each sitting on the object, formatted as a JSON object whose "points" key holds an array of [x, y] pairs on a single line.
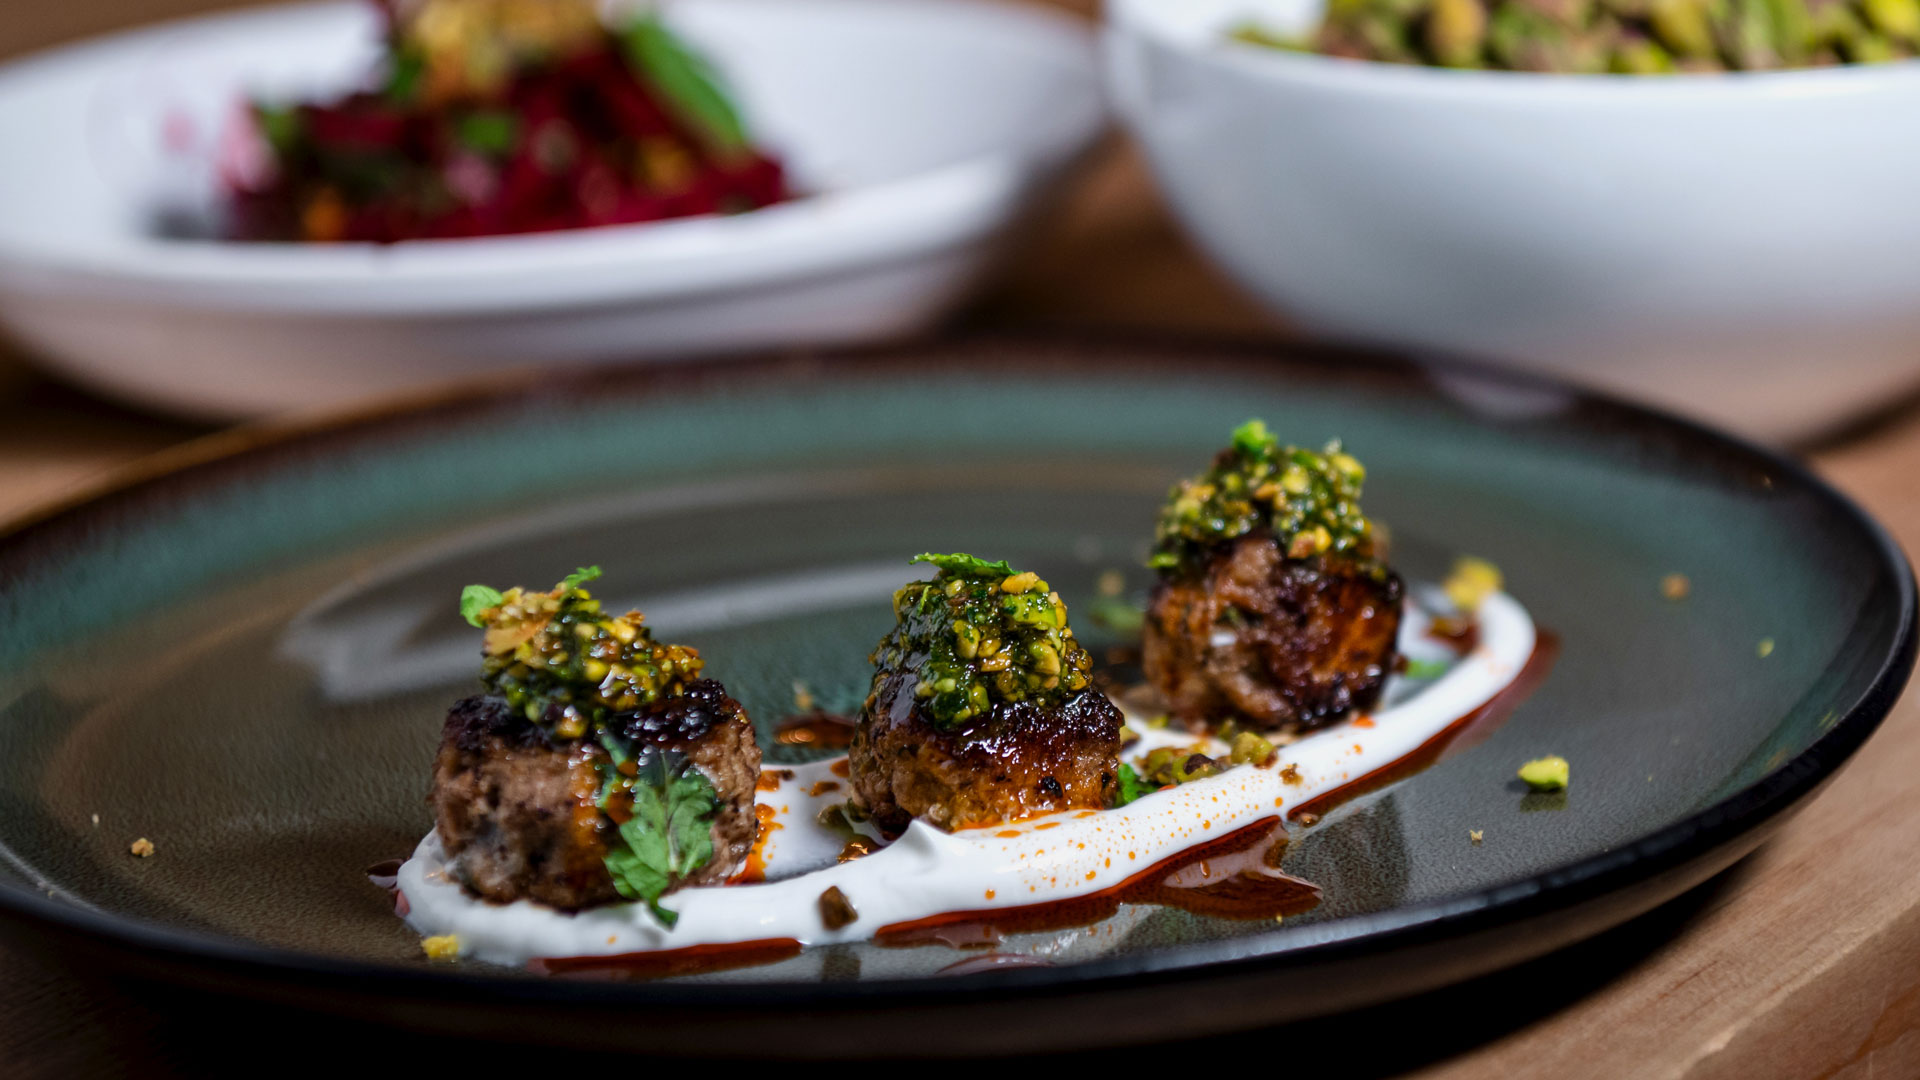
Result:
{"points": [[1016, 761], [1263, 638], [516, 810]]}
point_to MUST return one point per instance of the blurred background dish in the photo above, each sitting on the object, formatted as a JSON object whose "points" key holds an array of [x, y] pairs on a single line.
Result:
{"points": [[1744, 248], [922, 129]]}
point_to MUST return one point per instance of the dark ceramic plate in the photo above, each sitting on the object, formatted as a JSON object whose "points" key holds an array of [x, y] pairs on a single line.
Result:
{"points": [[245, 657]]}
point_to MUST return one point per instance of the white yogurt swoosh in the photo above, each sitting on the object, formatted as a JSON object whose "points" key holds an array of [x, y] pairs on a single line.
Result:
{"points": [[928, 872]]}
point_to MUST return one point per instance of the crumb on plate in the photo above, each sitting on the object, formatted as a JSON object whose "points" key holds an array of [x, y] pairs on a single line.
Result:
{"points": [[441, 948], [142, 847], [1545, 774], [1675, 586]]}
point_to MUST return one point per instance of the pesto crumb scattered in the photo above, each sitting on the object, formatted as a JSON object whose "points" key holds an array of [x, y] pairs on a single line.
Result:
{"points": [[1545, 774], [1470, 582], [441, 948], [836, 910], [1249, 748], [1476, 835], [1675, 586], [1766, 648], [142, 847]]}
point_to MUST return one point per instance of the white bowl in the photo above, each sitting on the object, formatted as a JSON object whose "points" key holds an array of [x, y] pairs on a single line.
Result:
{"points": [[926, 127], [1745, 248]]}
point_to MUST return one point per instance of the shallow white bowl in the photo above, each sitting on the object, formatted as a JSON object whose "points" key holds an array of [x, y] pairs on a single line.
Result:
{"points": [[926, 128], [1745, 247]]}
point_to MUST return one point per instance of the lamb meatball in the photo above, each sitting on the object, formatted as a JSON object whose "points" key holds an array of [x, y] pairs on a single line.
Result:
{"points": [[593, 741], [1273, 607], [981, 710]]}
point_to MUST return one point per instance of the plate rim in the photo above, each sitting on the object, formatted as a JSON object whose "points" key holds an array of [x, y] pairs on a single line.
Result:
{"points": [[1565, 887]]}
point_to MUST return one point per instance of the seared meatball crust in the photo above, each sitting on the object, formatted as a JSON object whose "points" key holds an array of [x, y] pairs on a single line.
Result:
{"points": [[1271, 641], [1015, 761], [516, 810]]}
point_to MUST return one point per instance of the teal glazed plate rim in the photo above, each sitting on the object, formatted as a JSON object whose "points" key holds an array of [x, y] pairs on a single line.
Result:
{"points": [[232, 589]]}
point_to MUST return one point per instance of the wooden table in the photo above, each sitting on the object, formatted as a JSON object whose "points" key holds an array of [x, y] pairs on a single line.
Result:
{"points": [[1802, 961]]}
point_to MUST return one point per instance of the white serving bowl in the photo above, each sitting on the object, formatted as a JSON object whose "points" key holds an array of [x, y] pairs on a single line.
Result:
{"points": [[924, 127], [1745, 248]]}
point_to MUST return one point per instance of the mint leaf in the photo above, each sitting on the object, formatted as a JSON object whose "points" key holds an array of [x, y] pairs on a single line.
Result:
{"points": [[1426, 669], [1132, 786], [966, 565], [475, 599], [686, 80], [669, 835], [580, 577]]}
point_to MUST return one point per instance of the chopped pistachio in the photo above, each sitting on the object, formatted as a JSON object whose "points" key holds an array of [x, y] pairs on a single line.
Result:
{"points": [[1249, 748], [1545, 774], [559, 649], [1626, 37]]}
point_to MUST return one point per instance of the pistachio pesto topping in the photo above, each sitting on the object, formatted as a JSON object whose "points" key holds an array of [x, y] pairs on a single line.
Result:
{"points": [[1309, 500], [558, 648], [978, 634]]}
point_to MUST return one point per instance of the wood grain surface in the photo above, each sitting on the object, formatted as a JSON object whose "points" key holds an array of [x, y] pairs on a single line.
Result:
{"points": [[1802, 961]]}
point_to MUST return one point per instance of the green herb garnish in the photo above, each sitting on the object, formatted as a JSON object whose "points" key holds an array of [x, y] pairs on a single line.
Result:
{"points": [[1132, 786], [1309, 500], [686, 80], [1426, 669], [475, 599], [669, 834], [966, 565]]}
